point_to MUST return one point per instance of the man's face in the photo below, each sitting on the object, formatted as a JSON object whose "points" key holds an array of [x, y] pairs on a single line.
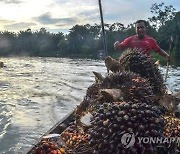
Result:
{"points": [[140, 29]]}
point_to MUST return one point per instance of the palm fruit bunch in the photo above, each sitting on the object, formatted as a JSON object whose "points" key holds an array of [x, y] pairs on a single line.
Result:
{"points": [[172, 131], [73, 136], [134, 87], [82, 149], [135, 61], [112, 120], [172, 128], [47, 147]]}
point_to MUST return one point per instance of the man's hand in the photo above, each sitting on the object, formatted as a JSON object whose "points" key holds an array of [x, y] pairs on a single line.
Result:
{"points": [[168, 58], [116, 45], [165, 54]]}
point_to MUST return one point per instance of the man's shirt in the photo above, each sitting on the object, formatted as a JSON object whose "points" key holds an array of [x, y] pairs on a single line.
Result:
{"points": [[146, 44]]}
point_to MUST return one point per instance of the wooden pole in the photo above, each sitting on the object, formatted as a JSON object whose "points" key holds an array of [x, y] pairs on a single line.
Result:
{"points": [[103, 31], [167, 66], [167, 69]]}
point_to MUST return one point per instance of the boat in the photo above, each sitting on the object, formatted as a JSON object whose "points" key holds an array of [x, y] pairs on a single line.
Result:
{"points": [[106, 97], [58, 128]]}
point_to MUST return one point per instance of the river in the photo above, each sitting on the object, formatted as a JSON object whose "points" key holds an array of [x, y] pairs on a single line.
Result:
{"points": [[35, 93]]}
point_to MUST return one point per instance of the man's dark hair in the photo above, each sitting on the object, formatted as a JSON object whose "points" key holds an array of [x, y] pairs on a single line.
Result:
{"points": [[139, 21]]}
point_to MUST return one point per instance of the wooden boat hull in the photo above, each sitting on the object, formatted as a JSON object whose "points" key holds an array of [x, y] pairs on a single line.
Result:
{"points": [[58, 128]]}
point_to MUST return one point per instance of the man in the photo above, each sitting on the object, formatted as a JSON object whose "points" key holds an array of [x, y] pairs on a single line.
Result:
{"points": [[1, 64], [145, 43]]}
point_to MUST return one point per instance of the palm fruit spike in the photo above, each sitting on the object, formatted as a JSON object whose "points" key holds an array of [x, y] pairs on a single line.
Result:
{"points": [[98, 77], [112, 64], [170, 102]]}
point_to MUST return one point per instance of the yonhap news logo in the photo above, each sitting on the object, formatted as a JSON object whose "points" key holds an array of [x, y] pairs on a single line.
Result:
{"points": [[129, 139]]}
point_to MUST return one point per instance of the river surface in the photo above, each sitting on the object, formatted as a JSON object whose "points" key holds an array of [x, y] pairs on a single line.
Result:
{"points": [[35, 93]]}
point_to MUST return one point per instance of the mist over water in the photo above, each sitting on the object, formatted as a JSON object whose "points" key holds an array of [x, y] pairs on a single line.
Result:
{"points": [[35, 93]]}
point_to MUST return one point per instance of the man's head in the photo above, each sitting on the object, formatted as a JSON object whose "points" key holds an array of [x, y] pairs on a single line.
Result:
{"points": [[141, 28]]}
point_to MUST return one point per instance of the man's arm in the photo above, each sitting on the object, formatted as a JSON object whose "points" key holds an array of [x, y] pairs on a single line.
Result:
{"points": [[161, 52], [164, 54], [122, 45]]}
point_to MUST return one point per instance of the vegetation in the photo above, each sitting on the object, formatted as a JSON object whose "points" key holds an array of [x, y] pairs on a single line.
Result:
{"points": [[86, 40]]}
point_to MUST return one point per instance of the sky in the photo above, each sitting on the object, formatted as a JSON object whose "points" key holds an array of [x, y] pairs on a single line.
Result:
{"points": [[61, 15]]}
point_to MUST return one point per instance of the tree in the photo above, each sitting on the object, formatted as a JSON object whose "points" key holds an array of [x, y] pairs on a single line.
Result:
{"points": [[7, 42], [81, 40], [24, 42], [162, 14]]}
